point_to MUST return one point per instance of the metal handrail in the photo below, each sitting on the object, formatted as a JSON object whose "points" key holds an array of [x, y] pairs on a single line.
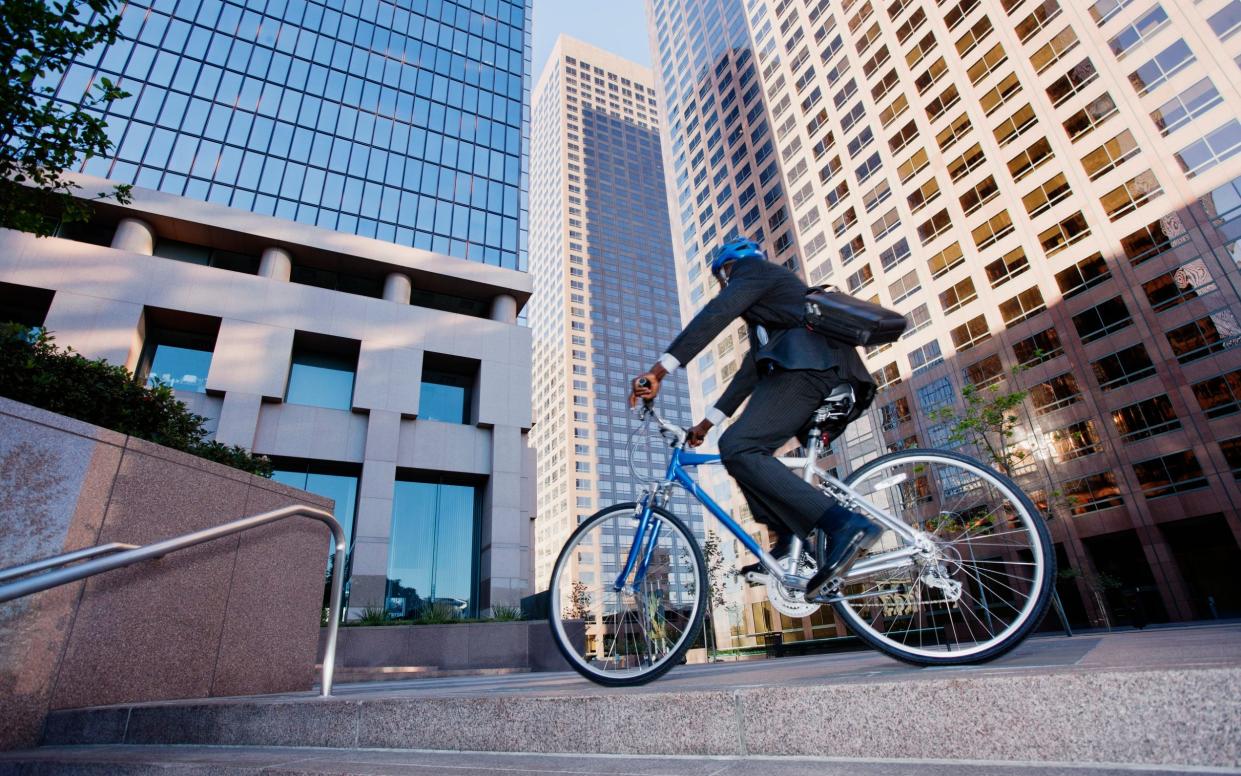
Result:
{"points": [[13, 572], [128, 557]]}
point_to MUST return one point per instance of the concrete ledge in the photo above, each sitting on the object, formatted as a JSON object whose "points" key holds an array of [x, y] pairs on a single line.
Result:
{"points": [[1157, 717]]}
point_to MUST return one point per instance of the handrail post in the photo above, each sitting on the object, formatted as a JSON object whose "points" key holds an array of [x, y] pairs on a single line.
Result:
{"points": [[333, 625]]}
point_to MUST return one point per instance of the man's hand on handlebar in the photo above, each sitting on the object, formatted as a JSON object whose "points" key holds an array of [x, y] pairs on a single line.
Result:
{"points": [[646, 385], [698, 433]]}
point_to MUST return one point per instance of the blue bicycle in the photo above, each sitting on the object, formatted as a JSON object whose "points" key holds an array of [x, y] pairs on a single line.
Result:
{"points": [[962, 574]]}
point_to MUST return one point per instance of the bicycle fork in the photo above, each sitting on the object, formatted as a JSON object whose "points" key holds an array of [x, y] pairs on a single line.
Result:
{"points": [[641, 550]]}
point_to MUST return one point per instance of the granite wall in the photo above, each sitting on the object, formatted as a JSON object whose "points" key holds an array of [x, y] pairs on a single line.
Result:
{"points": [[236, 616]]}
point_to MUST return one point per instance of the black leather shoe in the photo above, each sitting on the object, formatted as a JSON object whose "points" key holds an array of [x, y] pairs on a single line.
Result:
{"points": [[847, 539]]}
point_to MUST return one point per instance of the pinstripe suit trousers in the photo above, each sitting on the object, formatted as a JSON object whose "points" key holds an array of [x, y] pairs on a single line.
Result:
{"points": [[778, 410]]}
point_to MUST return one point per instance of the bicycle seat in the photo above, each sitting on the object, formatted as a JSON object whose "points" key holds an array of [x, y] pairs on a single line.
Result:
{"points": [[838, 404]]}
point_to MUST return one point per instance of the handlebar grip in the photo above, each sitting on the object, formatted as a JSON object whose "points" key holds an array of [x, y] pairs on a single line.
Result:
{"points": [[642, 382]]}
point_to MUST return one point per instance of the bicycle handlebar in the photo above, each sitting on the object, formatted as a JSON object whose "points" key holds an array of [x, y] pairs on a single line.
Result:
{"points": [[674, 434]]}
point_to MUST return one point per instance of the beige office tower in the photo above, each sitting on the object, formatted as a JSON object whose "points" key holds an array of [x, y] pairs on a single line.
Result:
{"points": [[1047, 186], [604, 303]]}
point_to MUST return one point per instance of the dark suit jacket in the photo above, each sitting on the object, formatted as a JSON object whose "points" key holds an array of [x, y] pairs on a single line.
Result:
{"points": [[771, 300]]}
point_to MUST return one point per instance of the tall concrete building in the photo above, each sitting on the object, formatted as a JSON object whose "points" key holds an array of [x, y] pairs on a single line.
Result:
{"points": [[1045, 185], [323, 257], [605, 291]]}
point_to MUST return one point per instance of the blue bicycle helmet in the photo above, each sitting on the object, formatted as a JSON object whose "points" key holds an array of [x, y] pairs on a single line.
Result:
{"points": [[736, 250]]}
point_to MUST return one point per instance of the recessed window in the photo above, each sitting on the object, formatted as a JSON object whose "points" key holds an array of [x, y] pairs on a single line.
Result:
{"points": [[1130, 37], [1087, 273], [447, 389], [1103, 319], [1123, 367], [336, 481], [177, 349], [1161, 67], [1220, 395], [1146, 418], [322, 371], [206, 256], [1184, 107], [1043, 346], [970, 333], [1092, 493], [25, 305], [1075, 441], [1188, 281], [434, 547], [1214, 333], [1054, 394], [1169, 474], [1025, 305], [984, 372], [1200, 156]]}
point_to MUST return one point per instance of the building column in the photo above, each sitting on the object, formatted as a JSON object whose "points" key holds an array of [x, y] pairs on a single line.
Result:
{"points": [[504, 309], [276, 264], [373, 529], [239, 419], [502, 564], [397, 288], [135, 236]]}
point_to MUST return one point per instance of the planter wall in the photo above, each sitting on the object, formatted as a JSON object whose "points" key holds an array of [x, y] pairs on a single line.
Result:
{"points": [[236, 616]]}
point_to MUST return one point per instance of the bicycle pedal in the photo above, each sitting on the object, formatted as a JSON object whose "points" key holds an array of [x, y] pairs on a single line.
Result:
{"points": [[829, 593], [756, 578]]}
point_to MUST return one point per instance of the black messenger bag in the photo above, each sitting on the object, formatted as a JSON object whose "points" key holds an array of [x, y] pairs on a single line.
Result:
{"points": [[841, 317]]}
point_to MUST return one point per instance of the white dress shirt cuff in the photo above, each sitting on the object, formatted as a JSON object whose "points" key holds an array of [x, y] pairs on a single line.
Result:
{"points": [[716, 416], [669, 362]]}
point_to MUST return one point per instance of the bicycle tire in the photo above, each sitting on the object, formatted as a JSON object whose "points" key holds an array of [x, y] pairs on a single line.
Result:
{"points": [[1043, 561], [584, 664]]}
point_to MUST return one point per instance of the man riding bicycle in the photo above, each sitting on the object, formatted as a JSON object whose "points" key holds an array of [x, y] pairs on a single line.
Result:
{"points": [[786, 375]]}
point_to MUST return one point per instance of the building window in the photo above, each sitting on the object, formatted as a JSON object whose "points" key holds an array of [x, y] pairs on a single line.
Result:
{"points": [[1093, 493], [24, 305], [1072, 83], [993, 230], [1110, 155], [1169, 474], [1163, 66], [1103, 10], [905, 287], [322, 371], [1226, 21], [1150, 241], [338, 482], [1087, 273], [1063, 234], [894, 413], [1030, 159], [1102, 320], [1007, 267], [1202, 155], [1146, 418], [1015, 125], [1075, 441], [935, 395], [958, 295], [1054, 394], [1025, 305], [1090, 117], [433, 549], [447, 390], [979, 195], [984, 372], [206, 256], [1220, 395], [1043, 346], [177, 349], [947, 259], [1211, 334], [970, 333], [1188, 281], [1039, 201], [1185, 107], [925, 357], [1123, 367], [1132, 194], [1143, 29], [1231, 448]]}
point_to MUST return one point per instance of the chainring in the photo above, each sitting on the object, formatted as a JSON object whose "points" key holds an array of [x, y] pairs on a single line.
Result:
{"points": [[792, 603]]}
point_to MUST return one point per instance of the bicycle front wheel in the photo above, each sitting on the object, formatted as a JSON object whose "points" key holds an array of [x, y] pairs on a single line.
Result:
{"points": [[629, 631], [985, 579]]}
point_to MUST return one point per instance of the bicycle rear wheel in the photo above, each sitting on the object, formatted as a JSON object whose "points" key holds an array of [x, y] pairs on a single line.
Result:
{"points": [[637, 633], [986, 580]]}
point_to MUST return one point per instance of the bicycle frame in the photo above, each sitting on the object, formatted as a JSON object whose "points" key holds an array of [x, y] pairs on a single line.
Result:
{"points": [[676, 474]]}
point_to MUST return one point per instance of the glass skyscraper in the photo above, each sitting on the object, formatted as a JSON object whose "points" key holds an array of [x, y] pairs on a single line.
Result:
{"points": [[404, 121], [605, 294]]}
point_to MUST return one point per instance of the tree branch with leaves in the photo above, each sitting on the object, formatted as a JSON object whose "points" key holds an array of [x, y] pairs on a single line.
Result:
{"points": [[40, 136]]}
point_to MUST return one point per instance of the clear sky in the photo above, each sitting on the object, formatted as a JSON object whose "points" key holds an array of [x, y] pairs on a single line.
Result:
{"points": [[618, 26]]}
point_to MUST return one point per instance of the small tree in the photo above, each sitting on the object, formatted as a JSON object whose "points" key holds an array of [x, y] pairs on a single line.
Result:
{"points": [[718, 571], [988, 421], [579, 602], [39, 137]]}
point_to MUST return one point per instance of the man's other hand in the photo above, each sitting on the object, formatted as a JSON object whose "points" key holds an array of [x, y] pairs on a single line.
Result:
{"points": [[698, 433], [645, 392]]}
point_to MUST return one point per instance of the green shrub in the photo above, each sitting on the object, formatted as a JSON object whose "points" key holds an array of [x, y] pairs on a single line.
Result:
{"points": [[34, 371], [372, 615], [437, 614], [507, 613]]}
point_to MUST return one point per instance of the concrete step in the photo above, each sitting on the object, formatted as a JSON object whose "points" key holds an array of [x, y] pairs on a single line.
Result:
{"points": [[355, 675], [1158, 698], [286, 761]]}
